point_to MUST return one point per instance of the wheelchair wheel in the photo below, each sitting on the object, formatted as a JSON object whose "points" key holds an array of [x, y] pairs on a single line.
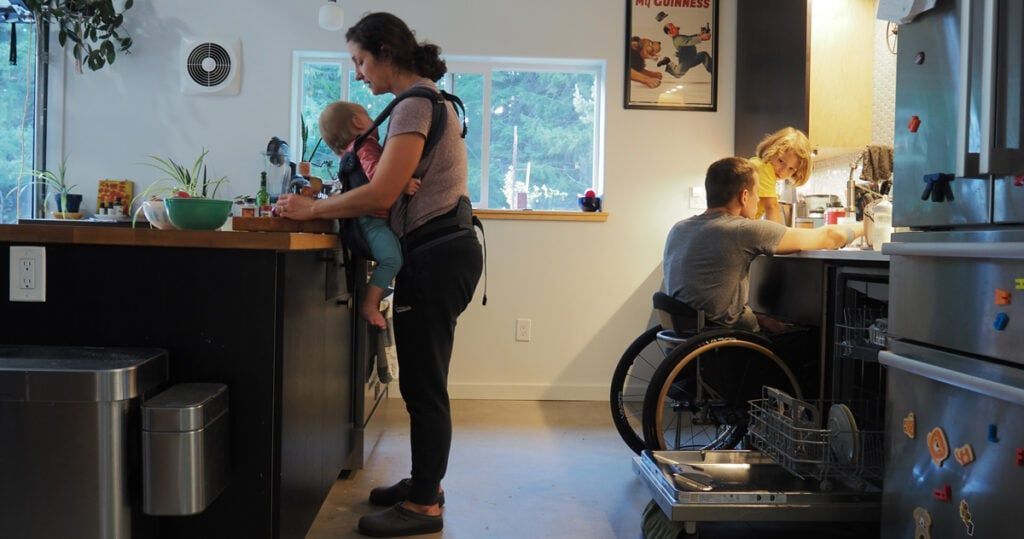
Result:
{"points": [[698, 397], [629, 384]]}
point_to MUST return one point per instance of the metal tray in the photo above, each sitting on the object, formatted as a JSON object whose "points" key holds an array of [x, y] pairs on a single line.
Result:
{"points": [[748, 486]]}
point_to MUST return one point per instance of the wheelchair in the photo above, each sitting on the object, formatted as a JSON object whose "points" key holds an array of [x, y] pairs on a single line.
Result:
{"points": [[685, 385]]}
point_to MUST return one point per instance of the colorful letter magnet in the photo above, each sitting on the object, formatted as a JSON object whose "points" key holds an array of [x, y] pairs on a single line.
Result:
{"points": [[964, 455], [922, 524], [965, 516], [910, 426], [938, 447]]}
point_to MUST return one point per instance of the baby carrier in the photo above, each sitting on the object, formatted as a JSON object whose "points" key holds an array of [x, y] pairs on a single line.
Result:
{"points": [[351, 175]]}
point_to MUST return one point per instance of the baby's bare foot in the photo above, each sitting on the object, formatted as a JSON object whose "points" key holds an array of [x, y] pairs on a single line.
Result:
{"points": [[373, 316]]}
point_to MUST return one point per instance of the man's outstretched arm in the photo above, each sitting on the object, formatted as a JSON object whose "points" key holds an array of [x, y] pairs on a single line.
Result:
{"points": [[826, 237]]}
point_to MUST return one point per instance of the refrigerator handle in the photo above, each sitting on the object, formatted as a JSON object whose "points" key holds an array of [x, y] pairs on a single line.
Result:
{"points": [[991, 161], [962, 380], [966, 163]]}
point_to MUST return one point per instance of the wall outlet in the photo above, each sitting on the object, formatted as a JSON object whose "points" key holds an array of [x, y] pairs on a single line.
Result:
{"points": [[523, 329], [28, 274]]}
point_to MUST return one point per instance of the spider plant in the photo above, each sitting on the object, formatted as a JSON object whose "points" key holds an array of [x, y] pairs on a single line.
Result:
{"points": [[190, 180], [55, 183], [178, 179]]}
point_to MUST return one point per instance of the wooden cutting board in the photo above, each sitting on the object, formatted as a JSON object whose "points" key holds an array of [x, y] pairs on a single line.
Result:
{"points": [[280, 224]]}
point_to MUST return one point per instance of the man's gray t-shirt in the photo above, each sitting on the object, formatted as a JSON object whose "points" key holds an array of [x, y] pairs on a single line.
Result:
{"points": [[707, 264]]}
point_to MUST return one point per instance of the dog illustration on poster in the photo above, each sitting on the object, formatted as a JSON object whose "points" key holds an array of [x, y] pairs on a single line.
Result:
{"points": [[671, 54]]}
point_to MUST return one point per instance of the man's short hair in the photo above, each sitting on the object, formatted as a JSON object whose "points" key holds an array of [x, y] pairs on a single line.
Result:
{"points": [[726, 179]]}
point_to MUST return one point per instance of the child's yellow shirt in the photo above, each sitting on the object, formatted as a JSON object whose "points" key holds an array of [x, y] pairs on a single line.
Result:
{"points": [[766, 181]]}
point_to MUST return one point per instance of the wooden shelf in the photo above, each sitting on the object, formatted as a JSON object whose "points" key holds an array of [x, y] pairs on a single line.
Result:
{"points": [[529, 215]]}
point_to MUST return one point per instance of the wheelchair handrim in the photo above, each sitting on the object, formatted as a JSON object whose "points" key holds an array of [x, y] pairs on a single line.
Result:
{"points": [[703, 349]]}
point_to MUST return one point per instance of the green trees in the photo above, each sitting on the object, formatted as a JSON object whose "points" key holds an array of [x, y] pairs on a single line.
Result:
{"points": [[546, 120], [17, 108]]}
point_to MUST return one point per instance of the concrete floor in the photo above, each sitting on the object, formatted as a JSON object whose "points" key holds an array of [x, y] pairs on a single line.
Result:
{"points": [[543, 470]]}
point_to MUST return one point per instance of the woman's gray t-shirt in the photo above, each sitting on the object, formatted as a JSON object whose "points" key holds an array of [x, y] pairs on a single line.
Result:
{"points": [[707, 264], [445, 178]]}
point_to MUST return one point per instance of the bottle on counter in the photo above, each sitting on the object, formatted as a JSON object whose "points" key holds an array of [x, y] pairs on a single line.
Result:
{"points": [[102, 209], [881, 228], [263, 198], [248, 206], [118, 209]]}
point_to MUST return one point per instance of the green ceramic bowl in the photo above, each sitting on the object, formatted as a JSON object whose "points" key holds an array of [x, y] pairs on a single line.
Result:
{"points": [[198, 213]]}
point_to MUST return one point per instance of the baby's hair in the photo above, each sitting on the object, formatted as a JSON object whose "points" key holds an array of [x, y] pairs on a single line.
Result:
{"points": [[785, 139], [336, 127]]}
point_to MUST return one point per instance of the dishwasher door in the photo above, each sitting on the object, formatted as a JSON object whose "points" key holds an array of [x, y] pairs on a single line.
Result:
{"points": [[976, 404]]}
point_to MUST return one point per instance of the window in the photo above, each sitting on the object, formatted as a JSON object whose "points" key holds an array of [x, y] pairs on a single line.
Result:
{"points": [[17, 121], [535, 127]]}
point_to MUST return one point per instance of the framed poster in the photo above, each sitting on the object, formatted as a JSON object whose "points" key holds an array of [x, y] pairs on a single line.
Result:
{"points": [[671, 54]]}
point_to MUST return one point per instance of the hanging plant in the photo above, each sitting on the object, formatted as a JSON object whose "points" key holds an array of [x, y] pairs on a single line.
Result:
{"points": [[92, 28]]}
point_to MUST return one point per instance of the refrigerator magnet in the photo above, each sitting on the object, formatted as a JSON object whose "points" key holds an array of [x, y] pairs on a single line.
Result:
{"points": [[910, 426], [965, 517], [922, 524], [938, 447], [964, 455]]}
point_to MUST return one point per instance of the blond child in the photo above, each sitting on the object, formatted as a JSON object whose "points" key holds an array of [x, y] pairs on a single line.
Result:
{"points": [[783, 155], [341, 123]]}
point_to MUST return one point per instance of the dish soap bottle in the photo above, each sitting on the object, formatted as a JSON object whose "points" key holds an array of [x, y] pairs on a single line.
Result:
{"points": [[881, 229]]}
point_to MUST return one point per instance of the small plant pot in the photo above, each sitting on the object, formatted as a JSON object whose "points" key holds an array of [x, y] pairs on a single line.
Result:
{"points": [[589, 204], [74, 202]]}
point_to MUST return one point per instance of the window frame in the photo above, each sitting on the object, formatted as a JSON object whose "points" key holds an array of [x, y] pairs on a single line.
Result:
{"points": [[474, 65]]}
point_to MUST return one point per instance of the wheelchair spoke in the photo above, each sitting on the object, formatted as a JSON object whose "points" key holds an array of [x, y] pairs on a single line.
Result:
{"points": [[644, 380], [649, 364]]}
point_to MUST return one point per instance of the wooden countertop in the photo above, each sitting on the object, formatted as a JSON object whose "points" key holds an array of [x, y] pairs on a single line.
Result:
{"points": [[147, 237]]}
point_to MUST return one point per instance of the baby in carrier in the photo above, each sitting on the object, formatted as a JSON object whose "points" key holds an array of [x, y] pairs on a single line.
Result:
{"points": [[341, 123]]}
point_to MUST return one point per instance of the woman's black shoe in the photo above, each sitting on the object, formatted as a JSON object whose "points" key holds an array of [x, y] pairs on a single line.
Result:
{"points": [[388, 496], [398, 521]]}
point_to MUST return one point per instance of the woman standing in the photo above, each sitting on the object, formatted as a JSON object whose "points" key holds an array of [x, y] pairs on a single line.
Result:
{"points": [[443, 258]]}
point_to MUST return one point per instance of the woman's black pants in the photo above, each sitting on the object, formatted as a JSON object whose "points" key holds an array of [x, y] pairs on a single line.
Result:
{"points": [[432, 289]]}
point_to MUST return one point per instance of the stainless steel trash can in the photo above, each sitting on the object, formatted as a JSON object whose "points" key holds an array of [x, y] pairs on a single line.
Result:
{"points": [[184, 448], [69, 452]]}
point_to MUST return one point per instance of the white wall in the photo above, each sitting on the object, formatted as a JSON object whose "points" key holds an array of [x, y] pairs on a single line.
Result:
{"points": [[586, 286]]}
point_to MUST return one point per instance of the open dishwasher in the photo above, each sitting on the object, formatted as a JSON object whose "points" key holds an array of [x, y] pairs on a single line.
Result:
{"points": [[809, 462]]}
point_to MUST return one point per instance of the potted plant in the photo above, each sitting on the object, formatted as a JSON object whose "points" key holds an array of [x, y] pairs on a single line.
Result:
{"points": [[56, 185], [91, 27], [305, 162], [185, 191]]}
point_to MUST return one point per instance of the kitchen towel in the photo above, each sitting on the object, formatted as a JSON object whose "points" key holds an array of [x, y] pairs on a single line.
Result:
{"points": [[387, 352], [877, 163]]}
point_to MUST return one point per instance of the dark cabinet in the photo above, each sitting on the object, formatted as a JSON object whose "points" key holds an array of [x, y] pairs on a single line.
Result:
{"points": [[809, 65], [274, 326]]}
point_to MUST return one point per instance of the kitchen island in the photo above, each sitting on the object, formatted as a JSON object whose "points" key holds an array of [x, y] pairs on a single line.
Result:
{"points": [[267, 314], [829, 291]]}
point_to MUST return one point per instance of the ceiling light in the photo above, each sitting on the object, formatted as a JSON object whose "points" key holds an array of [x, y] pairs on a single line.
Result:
{"points": [[332, 17]]}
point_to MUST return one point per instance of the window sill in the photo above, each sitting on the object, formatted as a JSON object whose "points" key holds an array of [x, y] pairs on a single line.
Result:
{"points": [[530, 215]]}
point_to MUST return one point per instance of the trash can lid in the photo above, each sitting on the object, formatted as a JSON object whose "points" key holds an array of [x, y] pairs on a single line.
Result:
{"points": [[79, 374], [185, 407]]}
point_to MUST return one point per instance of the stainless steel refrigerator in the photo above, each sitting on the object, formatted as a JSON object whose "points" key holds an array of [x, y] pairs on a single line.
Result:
{"points": [[955, 395]]}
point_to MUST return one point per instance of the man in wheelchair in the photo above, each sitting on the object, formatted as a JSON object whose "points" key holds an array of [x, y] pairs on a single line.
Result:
{"points": [[709, 380], [707, 256], [698, 369]]}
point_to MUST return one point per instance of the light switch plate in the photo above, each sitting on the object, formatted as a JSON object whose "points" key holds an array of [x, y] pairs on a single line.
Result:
{"points": [[523, 329], [28, 274]]}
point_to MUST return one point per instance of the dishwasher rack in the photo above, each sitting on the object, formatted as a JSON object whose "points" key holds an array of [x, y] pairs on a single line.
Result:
{"points": [[796, 435]]}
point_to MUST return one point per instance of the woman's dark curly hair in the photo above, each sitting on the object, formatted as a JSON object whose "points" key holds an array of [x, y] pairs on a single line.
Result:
{"points": [[385, 36]]}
